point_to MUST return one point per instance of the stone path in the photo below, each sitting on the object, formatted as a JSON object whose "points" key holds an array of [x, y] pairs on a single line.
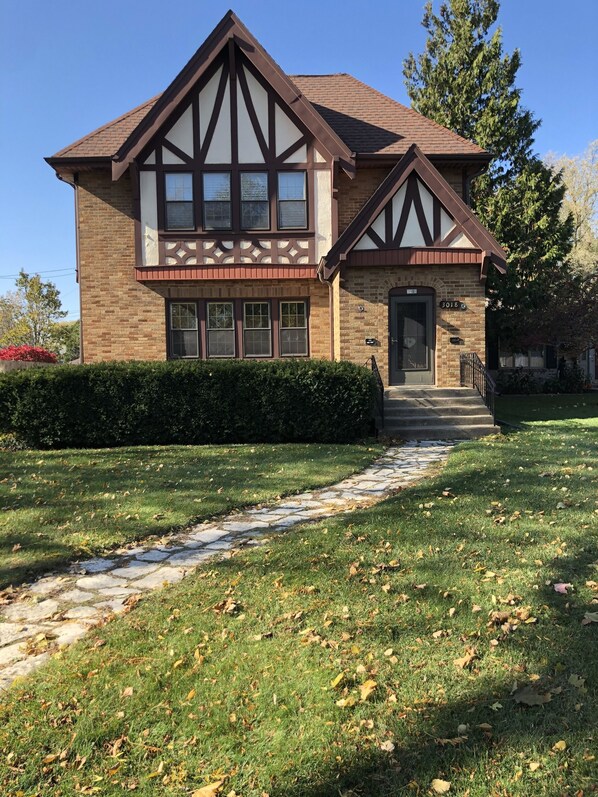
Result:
{"points": [[58, 609]]}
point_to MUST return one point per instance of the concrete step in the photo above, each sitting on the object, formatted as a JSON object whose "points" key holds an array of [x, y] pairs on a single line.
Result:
{"points": [[444, 432], [430, 392], [397, 409], [417, 421]]}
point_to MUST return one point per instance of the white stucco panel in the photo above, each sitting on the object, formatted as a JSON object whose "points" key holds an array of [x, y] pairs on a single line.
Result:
{"points": [[220, 148], [379, 225], [413, 235], [259, 98], [365, 242], [446, 224], [170, 157], [398, 201], [151, 159], [287, 133], [207, 98], [323, 211], [181, 133], [149, 219], [249, 149], [462, 242], [299, 156]]}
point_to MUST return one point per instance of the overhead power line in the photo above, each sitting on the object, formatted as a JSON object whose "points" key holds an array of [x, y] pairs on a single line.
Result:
{"points": [[39, 273]]}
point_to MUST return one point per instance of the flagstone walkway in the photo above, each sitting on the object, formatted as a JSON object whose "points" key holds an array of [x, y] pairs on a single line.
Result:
{"points": [[58, 609]]}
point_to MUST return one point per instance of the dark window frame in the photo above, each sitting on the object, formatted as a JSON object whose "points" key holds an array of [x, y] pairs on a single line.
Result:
{"points": [[238, 319], [266, 202], [306, 327], [171, 330], [204, 202], [166, 174], [269, 302], [232, 329], [306, 188]]}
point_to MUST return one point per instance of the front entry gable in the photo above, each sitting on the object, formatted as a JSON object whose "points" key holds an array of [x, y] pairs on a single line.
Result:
{"points": [[414, 208]]}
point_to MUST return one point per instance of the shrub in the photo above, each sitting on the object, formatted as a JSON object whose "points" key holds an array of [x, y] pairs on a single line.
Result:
{"points": [[30, 354], [139, 403], [518, 381], [571, 380]]}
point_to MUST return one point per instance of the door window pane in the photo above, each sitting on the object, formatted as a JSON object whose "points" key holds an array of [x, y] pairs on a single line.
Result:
{"points": [[255, 205], [184, 339], [293, 329], [412, 336], [257, 333], [221, 329], [292, 203], [179, 201], [216, 201]]}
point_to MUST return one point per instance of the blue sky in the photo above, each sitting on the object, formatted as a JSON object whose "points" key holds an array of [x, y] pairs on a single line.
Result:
{"points": [[68, 66]]}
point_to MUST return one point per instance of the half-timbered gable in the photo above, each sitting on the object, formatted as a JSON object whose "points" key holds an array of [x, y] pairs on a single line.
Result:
{"points": [[414, 218]]}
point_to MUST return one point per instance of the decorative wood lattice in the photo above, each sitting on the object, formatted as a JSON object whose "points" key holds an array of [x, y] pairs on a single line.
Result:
{"points": [[287, 251]]}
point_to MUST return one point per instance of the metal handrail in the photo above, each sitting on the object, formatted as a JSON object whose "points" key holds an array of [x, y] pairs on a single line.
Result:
{"points": [[475, 374], [371, 361]]}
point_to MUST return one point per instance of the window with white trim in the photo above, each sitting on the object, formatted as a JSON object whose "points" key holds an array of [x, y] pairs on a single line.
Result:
{"points": [[292, 200], [257, 329], [217, 213], [255, 202]]}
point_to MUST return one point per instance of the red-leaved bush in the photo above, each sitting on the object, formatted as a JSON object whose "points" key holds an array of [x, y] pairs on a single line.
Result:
{"points": [[31, 354]]}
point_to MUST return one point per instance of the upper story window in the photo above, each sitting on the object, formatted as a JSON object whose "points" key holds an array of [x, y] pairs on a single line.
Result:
{"points": [[292, 202], [180, 214], [217, 213], [255, 204]]}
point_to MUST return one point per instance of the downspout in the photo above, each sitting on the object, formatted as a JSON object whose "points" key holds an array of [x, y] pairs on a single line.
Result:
{"points": [[330, 309], [74, 183], [467, 180]]}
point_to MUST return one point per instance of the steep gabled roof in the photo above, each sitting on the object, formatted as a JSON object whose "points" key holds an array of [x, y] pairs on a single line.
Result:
{"points": [[373, 228], [230, 29], [348, 116]]}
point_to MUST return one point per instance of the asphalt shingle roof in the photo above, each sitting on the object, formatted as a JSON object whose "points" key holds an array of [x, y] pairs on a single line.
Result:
{"points": [[369, 122]]}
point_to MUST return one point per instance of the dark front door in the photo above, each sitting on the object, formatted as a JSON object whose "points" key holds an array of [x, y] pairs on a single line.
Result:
{"points": [[412, 340]]}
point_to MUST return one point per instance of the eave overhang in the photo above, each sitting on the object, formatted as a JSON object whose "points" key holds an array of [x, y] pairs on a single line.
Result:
{"points": [[414, 160], [231, 28]]}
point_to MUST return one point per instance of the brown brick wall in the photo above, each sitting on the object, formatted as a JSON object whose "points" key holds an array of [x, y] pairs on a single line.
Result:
{"points": [[121, 319], [370, 287]]}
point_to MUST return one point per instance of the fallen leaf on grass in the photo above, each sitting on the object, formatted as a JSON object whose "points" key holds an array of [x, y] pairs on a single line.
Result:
{"points": [[211, 790], [467, 659], [529, 697], [561, 587], [577, 681], [440, 786], [229, 606], [346, 702], [336, 681], [559, 747], [388, 746], [590, 617], [534, 765], [366, 689]]}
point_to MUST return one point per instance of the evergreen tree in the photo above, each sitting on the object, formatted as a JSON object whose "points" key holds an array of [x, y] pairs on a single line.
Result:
{"points": [[464, 81]]}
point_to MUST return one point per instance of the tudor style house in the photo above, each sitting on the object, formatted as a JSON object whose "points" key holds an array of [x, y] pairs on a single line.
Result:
{"points": [[247, 213]]}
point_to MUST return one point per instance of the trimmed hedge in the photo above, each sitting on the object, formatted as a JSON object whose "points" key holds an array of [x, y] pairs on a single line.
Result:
{"points": [[142, 403]]}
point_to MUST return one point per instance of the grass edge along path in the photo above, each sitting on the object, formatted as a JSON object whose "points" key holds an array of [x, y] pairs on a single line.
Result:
{"points": [[59, 506]]}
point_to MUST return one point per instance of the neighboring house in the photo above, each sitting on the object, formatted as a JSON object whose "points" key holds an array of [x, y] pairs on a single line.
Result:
{"points": [[247, 213]]}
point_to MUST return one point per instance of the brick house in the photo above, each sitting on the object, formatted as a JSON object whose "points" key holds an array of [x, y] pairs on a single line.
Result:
{"points": [[246, 213]]}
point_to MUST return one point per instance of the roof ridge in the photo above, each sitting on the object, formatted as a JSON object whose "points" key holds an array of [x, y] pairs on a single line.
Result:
{"points": [[106, 126], [413, 112]]}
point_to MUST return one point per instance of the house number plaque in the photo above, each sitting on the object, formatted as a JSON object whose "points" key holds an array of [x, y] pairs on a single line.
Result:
{"points": [[452, 304]]}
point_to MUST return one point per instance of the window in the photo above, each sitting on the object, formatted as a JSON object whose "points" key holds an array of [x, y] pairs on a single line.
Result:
{"points": [[221, 329], [293, 329], [184, 341], [255, 205], [179, 201], [216, 201], [257, 329], [292, 205], [530, 358]]}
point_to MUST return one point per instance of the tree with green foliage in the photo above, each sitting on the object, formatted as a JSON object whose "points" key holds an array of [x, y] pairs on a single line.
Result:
{"points": [[466, 82], [66, 340], [31, 312]]}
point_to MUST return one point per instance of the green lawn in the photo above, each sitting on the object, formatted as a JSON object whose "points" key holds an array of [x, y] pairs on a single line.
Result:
{"points": [[60, 505], [365, 656], [580, 409]]}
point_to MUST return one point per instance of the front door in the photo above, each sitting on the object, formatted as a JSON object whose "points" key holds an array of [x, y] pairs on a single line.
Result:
{"points": [[411, 340]]}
